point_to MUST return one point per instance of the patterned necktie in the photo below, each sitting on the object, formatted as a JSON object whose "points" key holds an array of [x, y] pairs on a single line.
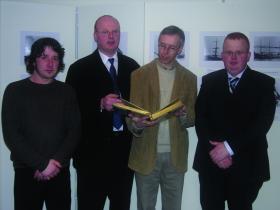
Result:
{"points": [[117, 118], [113, 74], [233, 82]]}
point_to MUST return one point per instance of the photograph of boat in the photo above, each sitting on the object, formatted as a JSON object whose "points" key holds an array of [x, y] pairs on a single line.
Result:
{"points": [[267, 48], [213, 48]]}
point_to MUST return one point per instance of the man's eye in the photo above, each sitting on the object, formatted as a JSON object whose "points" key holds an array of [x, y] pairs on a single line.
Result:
{"points": [[104, 32]]}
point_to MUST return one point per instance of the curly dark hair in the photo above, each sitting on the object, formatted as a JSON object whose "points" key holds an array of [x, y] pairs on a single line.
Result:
{"points": [[38, 48]]}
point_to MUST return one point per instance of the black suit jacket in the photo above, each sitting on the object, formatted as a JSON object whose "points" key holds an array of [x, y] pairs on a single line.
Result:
{"points": [[92, 81], [242, 119]]}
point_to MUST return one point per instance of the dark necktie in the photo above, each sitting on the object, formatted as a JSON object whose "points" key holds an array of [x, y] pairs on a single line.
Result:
{"points": [[117, 118], [233, 82]]}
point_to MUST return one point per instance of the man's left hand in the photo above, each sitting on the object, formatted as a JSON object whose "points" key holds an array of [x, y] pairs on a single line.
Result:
{"points": [[219, 152], [180, 112]]}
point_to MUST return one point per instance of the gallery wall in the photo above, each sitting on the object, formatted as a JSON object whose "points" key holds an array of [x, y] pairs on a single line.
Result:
{"points": [[16, 18], [74, 24]]}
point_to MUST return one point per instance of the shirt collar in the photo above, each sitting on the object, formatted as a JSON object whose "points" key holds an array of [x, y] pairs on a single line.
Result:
{"points": [[238, 75], [172, 67], [105, 58]]}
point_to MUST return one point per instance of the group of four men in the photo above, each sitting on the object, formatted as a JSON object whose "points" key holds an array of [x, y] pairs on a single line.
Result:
{"points": [[46, 122]]}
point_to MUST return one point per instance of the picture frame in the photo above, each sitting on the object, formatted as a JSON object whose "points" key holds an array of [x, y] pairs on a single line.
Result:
{"points": [[211, 46], [27, 38], [265, 50]]}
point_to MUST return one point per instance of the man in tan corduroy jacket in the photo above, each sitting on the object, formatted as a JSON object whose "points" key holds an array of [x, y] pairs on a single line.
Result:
{"points": [[160, 147]]}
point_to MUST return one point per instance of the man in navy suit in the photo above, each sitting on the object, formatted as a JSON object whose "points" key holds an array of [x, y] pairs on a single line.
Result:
{"points": [[234, 111], [101, 160]]}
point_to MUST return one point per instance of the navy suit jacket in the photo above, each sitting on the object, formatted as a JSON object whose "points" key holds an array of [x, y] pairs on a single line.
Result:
{"points": [[242, 119], [92, 81]]}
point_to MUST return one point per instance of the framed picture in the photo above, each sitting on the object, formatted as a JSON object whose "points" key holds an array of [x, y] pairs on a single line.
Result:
{"points": [[211, 46], [265, 49], [27, 38], [182, 58]]}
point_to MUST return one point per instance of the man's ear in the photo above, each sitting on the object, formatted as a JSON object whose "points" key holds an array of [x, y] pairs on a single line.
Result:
{"points": [[180, 50], [248, 56], [94, 36]]}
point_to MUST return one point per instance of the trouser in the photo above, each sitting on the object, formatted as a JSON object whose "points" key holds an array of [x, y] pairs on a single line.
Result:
{"points": [[30, 194], [94, 189], [170, 181], [239, 193], [109, 178]]}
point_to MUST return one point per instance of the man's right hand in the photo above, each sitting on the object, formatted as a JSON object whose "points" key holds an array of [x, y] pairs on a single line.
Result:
{"points": [[225, 163], [108, 101], [142, 121], [50, 171]]}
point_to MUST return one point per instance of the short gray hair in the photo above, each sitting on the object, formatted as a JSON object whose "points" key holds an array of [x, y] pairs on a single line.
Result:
{"points": [[174, 30]]}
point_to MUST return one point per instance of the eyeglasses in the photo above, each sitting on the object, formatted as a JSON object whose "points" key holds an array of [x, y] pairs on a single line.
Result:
{"points": [[237, 53], [167, 47], [107, 33]]}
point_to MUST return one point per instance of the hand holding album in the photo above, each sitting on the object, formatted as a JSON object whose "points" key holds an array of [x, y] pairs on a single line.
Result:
{"points": [[128, 106]]}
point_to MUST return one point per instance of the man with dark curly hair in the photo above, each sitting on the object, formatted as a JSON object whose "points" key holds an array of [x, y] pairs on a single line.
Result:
{"points": [[41, 124]]}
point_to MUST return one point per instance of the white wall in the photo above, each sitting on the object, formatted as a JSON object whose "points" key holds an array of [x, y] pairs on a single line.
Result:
{"points": [[130, 16], [16, 17], [138, 18]]}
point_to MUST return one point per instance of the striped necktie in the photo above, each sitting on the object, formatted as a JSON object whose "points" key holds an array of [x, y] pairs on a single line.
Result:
{"points": [[233, 82]]}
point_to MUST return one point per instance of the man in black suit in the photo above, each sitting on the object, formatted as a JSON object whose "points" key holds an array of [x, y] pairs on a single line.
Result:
{"points": [[233, 117], [101, 160]]}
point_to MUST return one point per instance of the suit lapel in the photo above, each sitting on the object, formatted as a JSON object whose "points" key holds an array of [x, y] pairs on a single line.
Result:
{"points": [[222, 82], [177, 85], [101, 67], [102, 72], [154, 86], [121, 70], [244, 80]]}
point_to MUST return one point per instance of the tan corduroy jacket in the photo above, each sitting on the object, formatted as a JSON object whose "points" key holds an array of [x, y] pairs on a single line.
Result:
{"points": [[145, 93]]}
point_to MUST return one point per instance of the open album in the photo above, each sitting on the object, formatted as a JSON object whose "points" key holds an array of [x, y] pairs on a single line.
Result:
{"points": [[128, 106]]}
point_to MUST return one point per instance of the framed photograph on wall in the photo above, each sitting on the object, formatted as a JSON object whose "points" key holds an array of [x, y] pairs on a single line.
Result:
{"points": [[182, 58], [211, 46], [27, 38], [265, 49]]}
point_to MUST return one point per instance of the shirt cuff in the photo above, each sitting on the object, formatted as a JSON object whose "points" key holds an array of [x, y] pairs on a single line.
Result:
{"points": [[228, 148], [101, 105]]}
